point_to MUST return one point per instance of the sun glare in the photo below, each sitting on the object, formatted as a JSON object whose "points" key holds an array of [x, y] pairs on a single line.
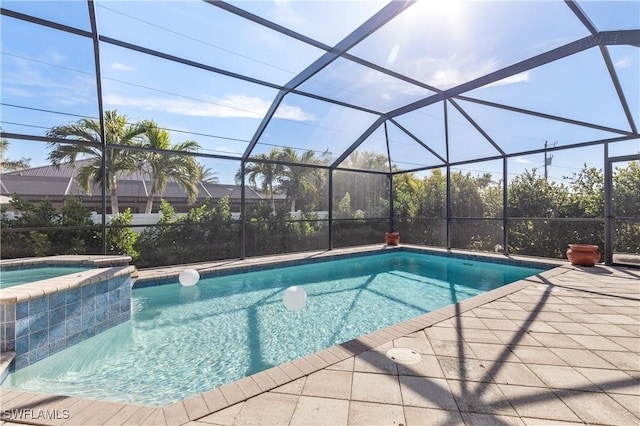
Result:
{"points": [[449, 10], [439, 13]]}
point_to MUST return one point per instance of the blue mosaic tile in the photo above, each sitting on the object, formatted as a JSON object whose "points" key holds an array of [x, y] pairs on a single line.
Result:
{"points": [[9, 345], [113, 284], [9, 313], [101, 314], [39, 321], [88, 292], [56, 316], [22, 310], [57, 346], [74, 325], [113, 297], [57, 332], [102, 326], [73, 310], [113, 321], [88, 333], [72, 296], [88, 306], [57, 300], [102, 287], [38, 339], [73, 339], [88, 320], [101, 300], [8, 331], [22, 327], [21, 361], [22, 344], [38, 305], [38, 354]]}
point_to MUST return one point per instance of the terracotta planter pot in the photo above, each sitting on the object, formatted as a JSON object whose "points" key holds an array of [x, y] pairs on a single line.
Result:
{"points": [[583, 254], [392, 238]]}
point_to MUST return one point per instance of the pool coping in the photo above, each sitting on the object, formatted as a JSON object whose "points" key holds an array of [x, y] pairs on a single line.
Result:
{"points": [[203, 404], [22, 292], [165, 275], [105, 267], [101, 261]]}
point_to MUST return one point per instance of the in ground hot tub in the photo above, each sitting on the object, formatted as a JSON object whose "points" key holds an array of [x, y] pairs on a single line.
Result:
{"points": [[42, 317]]}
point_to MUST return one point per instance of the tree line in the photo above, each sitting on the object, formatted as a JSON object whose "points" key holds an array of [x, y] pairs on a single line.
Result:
{"points": [[540, 212], [543, 216]]}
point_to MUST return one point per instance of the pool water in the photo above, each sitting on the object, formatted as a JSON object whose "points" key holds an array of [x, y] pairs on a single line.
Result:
{"points": [[186, 340], [13, 277]]}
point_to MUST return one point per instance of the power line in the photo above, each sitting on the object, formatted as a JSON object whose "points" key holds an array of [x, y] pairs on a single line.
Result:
{"points": [[198, 40], [48, 64]]}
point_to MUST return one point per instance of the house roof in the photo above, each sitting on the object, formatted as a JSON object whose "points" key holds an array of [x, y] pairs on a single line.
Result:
{"points": [[58, 182]]}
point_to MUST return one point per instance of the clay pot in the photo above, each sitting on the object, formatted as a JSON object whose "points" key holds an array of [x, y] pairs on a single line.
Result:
{"points": [[583, 254], [392, 238]]}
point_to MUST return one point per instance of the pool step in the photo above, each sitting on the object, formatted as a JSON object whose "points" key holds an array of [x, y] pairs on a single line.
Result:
{"points": [[5, 361]]}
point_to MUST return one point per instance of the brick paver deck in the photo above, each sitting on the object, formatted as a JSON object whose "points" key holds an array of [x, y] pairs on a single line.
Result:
{"points": [[559, 348]]}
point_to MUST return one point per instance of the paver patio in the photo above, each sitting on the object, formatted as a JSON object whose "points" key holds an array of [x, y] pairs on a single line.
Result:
{"points": [[559, 348]]}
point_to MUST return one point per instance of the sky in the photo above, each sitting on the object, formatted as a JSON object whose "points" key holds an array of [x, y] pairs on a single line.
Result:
{"points": [[48, 77]]}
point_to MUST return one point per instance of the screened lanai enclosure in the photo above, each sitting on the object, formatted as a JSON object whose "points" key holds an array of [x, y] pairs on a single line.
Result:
{"points": [[187, 131]]}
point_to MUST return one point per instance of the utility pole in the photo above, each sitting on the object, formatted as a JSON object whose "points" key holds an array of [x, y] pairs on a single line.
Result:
{"points": [[547, 159]]}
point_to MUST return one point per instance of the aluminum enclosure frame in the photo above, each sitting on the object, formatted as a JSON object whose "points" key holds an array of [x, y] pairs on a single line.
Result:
{"points": [[596, 39]]}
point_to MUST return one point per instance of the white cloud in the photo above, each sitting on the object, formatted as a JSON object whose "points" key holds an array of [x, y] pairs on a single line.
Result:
{"points": [[55, 58], [445, 73], [449, 72], [623, 63], [14, 91], [233, 106], [518, 78], [293, 113], [121, 67], [522, 160]]}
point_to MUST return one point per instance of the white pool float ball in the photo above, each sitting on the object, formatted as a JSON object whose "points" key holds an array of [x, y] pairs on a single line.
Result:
{"points": [[294, 298], [189, 277]]}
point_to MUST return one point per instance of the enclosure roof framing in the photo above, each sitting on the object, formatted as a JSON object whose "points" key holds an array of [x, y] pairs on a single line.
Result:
{"points": [[357, 86]]}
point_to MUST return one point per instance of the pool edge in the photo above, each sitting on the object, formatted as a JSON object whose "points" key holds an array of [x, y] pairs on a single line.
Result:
{"points": [[152, 277]]}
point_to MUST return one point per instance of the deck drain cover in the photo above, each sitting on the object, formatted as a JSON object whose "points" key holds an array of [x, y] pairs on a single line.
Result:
{"points": [[403, 355]]}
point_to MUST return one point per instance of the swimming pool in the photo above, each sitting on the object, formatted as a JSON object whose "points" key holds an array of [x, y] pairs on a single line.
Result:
{"points": [[10, 277], [186, 340]]}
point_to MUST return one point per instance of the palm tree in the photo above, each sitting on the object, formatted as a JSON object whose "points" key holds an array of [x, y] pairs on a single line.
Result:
{"points": [[9, 165], [298, 181], [118, 161], [207, 175], [164, 166], [267, 171]]}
